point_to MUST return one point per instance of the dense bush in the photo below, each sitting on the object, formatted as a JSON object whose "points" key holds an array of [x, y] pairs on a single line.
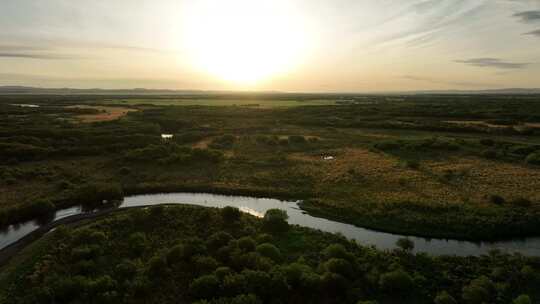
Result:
{"points": [[180, 258], [98, 193], [23, 152], [444, 298], [396, 282], [480, 290], [405, 244], [275, 221], [270, 251], [533, 159], [297, 139], [522, 299], [172, 153], [230, 214], [223, 142], [496, 199]]}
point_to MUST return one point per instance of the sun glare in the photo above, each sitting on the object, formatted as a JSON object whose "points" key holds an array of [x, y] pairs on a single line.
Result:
{"points": [[245, 41]]}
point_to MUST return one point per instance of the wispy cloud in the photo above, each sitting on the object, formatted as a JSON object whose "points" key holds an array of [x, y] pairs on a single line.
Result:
{"points": [[431, 17], [528, 16], [534, 33], [32, 52], [52, 50], [493, 63], [37, 56]]}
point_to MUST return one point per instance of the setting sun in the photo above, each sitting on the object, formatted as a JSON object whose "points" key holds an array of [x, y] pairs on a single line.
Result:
{"points": [[244, 41]]}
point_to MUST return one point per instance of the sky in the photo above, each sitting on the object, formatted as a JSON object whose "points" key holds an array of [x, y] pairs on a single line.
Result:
{"points": [[279, 45]]}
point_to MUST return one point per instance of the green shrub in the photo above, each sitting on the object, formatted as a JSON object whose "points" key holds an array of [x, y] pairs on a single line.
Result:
{"points": [[137, 243], [222, 272], [208, 155], [337, 251], [125, 171], [294, 273], [297, 139], [189, 137], [444, 298], [533, 159], [387, 145], [412, 164], [487, 142], [283, 141], [126, 270], [257, 282], [275, 221], [247, 244], [234, 284], [231, 214], [204, 287], [175, 254], [205, 264], [496, 199], [41, 207], [192, 247], [490, 154], [264, 238], [405, 244], [521, 202], [223, 142], [333, 283], [102, 285], [157, 267], [522, 299], [218, 240], [23, 152], [270, 251], [479, 291], [97, 193], [339, 266], [246, 299], [396, 282]]}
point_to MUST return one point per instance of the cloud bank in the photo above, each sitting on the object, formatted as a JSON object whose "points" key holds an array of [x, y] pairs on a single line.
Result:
{"points": [[493, 63]]}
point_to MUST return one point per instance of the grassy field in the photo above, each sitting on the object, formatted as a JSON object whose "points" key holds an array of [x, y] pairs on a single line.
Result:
{"points": [[253, 103], [185, 254], [388, 163]]}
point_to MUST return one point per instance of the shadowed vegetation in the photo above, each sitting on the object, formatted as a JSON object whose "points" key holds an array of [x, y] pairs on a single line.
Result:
{"points": [[183, 254]]}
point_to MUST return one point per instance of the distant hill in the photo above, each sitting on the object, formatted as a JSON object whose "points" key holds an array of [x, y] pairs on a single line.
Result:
{"points": [[143, 91], [495, 91], [96, 91]]}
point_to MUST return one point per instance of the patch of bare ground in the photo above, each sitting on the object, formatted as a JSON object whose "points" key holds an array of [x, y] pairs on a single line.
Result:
{"points": [[203, 143], [533, 125], [106, 113]]}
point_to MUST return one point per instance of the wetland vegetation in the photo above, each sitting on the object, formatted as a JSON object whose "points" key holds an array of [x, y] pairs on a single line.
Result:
{"points": [[448, 166], [440, 166]]}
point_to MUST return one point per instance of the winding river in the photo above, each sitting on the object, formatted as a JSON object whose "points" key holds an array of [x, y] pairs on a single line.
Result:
{"points": [[258, 206]]}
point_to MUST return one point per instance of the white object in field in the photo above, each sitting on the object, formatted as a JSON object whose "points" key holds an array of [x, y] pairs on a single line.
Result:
{"points": [[25, 105], [167, 136], [329, 158]]}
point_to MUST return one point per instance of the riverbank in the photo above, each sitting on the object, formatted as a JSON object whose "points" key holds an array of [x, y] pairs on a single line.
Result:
{"points": [[465, 224], [258, 207]]}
